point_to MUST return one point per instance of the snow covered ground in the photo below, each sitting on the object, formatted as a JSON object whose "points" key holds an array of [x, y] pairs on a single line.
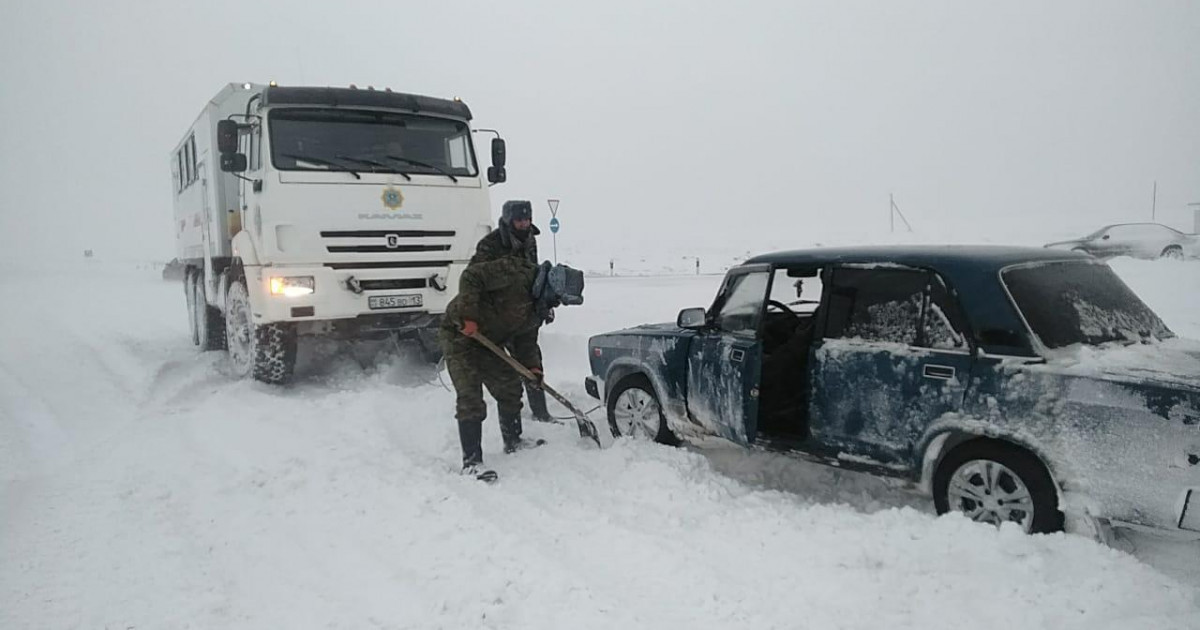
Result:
{"points": [[142, 487]]}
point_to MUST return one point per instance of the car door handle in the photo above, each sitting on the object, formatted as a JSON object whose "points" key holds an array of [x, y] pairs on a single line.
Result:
{"points": [[938, 372], [736, 355]]}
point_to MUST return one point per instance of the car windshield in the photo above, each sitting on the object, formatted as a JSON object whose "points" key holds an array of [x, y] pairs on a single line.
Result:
{"points": [[370, 141], [1070, 303]]}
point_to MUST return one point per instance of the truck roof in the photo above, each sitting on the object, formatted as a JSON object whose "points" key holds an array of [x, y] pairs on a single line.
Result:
{"points": [[352, 97]]}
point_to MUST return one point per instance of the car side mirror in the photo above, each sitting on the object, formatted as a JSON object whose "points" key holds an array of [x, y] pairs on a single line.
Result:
{"points": [[233, 162], [227, 137], [692, 318], [1106, 237]]}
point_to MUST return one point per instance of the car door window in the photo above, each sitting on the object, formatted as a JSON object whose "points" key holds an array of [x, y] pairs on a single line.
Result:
{"points": [[943, 327], [876, 304], [742, 307]]}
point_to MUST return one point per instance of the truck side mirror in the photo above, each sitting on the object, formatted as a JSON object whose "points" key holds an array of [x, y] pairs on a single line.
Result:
{"points": [[499, 153], [497, 174], [233, 162], [227, 137], [692, 318]]}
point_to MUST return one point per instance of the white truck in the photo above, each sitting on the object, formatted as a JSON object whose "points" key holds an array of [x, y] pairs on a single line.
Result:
{"points": [[324, 211]]}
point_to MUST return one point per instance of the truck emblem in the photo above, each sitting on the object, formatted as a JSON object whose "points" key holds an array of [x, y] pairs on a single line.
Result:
{"points": [[393, 241], [392, 198]]}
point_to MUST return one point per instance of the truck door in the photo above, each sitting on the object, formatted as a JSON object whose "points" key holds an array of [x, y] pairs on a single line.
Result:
{"points": [[725, 359]]}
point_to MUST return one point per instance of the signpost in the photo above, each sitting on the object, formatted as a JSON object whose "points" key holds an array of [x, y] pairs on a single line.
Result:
{"points": [[554, 225]]}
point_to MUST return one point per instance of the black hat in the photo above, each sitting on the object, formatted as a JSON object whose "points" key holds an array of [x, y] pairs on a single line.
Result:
{"points": [[516, 210]]}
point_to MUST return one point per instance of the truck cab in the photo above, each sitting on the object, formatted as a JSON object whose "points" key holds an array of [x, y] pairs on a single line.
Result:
{"points": [[326, 211]]}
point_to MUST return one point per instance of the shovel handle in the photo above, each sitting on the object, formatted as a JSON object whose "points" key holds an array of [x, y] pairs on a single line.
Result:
{"points": [[586, 427]]}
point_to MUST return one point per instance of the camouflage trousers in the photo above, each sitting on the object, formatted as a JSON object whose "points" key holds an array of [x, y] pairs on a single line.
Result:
{"points": [[473, 367]]}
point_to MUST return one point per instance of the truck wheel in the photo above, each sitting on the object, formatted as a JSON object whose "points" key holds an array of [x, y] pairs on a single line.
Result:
{"points": [[210, 325], [634, 411], [996, 482], [266, 352], [189, 294]]}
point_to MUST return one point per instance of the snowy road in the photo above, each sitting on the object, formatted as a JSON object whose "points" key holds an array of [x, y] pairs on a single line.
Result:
{"points": [[141, 487]]}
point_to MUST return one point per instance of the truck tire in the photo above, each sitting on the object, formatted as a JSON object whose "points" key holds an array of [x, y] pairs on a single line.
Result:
{"points": [[265, 352], [189, 294], [210, 325]]}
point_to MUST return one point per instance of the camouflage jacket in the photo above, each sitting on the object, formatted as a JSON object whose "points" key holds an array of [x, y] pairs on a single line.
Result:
{"points": [[500, 242], [496, 295]]}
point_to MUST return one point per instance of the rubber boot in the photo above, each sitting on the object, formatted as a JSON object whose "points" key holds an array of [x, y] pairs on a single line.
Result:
{"points": [[470, 436], [510, 430], [537, 403]]}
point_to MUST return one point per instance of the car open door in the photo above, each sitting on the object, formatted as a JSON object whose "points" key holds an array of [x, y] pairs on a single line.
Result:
{"points": [[725, 359]]}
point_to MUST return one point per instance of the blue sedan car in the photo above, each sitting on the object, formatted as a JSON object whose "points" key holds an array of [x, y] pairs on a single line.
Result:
{"points": [[1016, 385]]}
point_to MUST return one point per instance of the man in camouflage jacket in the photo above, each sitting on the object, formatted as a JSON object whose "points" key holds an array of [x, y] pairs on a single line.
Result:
{"points": [[516, 235], [494, 299]]}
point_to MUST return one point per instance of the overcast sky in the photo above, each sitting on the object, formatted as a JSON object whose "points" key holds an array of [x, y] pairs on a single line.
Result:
{"points": [[678, 121]]}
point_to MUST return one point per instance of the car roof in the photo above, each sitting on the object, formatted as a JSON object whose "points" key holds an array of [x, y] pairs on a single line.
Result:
{"points": [[940, 257], [1161, 225], [972, 271]]}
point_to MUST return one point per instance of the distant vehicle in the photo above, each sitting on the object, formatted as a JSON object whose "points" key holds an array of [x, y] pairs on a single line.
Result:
{"points": [[174, 270], [1139, 240], [1014, 385], [324, 211]]}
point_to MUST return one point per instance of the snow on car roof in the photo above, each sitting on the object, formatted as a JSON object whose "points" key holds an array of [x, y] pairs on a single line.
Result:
{"points": [[940, 257]]}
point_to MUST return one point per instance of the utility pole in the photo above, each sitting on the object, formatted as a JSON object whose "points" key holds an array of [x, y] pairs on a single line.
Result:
{"points": [[1154, 202], [895, 210], [1195, 217]]}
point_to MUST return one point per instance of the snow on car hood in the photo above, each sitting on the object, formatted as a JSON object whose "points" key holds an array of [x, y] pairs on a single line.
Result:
{"points": [[1172, 361]]}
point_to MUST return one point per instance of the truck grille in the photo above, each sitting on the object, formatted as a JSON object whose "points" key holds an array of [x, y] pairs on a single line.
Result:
{"points": [[384, 249], [386, 242], [401, 264], [385, 233], [392, 285]]}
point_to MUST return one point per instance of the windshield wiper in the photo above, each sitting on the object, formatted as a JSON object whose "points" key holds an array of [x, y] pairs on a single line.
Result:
{"points": [[423, 165], [373, 163], [334, 166]]}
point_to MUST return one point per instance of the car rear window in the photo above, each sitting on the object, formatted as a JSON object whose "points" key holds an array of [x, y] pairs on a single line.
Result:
{"points": [[1081, 302]]}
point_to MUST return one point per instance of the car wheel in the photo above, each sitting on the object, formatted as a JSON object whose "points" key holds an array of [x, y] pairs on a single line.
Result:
{"points": [[1174, 252], [996, 482], [634, 411]]}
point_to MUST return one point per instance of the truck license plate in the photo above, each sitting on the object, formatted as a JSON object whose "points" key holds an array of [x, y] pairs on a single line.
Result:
{"points": [[394, 301]]}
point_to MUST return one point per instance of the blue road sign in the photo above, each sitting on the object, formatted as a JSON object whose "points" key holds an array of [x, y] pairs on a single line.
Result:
{"points": [[554, 225]]}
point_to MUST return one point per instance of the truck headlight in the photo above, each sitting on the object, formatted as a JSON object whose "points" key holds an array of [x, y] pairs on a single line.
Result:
{"points": [[293, 286]]}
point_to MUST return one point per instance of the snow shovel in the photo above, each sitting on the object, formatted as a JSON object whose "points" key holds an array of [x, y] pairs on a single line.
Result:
{"points": [[587, 428]]}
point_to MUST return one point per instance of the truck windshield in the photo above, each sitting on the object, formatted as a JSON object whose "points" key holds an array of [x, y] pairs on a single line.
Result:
{"points": [[304, 139], [1081, 302]]}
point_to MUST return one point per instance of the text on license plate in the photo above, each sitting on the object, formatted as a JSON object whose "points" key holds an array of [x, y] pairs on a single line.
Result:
{"points": [[395, 301]]}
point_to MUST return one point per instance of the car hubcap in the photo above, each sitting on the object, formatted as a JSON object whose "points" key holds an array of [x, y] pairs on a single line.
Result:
{"points": [[989, 492], [637, 413], [240, 333]]}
